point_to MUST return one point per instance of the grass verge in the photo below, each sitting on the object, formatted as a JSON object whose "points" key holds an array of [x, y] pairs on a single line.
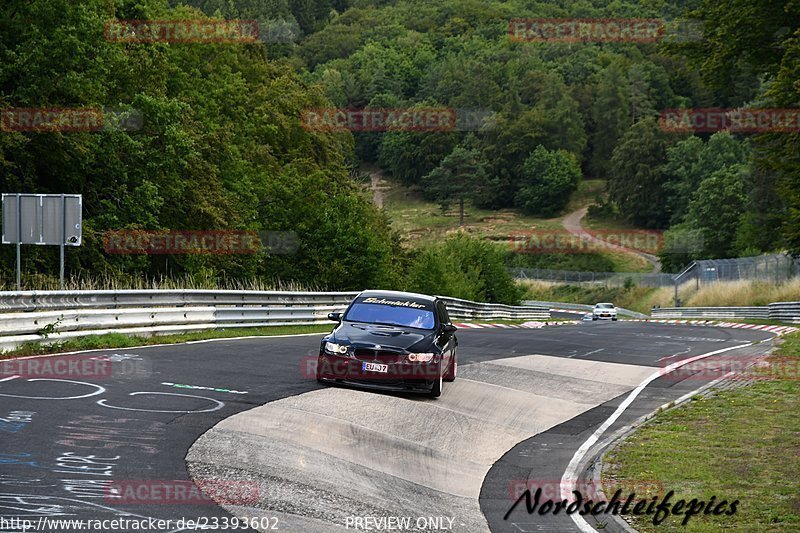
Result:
{"points": [[121, 340], [741, 444], [422, 222], [633, 298]]}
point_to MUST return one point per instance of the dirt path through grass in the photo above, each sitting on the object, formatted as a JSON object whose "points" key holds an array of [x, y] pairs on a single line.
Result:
{"points": [[572, 223]]}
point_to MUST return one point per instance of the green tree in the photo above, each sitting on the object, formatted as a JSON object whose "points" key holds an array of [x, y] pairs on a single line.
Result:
{"points": [[733, 59], [409, 156], [683, 174], [610, 117], [716, 210], [549, 177], [690, 161], [776, 195], [732, 55], [221, 140], [464, 267], [636, 183], [458, 177]]}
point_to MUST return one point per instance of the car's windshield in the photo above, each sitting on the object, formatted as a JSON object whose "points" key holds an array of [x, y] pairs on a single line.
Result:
{"points": [[605, 306], [394, 315]]}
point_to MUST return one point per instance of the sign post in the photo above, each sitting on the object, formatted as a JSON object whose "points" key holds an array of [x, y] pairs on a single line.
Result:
{"points": [[42, 219]]}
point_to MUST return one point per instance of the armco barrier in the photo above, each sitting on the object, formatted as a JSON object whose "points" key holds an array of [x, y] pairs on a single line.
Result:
{"points": [[580, 307], [60, 300], [785, 312], [761, 313], [52, 316], [465, 309], [779, 311]]}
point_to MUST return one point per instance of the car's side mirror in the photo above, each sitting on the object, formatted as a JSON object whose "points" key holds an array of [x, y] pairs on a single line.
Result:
{"points": [[336, 317], [449, 328]]}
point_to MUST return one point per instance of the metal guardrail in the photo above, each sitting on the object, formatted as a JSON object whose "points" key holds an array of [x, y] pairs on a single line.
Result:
{"points": [[465, 309], [51, 316], [761, 313], [621, 311], [785, 312], [110, 299], [780, 311]]}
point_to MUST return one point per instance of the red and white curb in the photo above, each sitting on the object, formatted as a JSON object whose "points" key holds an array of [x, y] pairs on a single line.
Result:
{"points": [[778, 330], [534, 324], [573, 311]]}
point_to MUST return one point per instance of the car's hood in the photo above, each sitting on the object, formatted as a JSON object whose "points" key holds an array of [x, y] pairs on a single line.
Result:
{"points": [[366, 335]]}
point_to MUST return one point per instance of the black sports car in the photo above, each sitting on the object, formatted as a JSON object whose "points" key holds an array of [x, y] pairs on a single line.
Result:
{"points": [[398, 341]]}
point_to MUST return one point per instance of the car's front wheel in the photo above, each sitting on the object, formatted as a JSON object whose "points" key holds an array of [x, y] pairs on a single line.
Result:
{"points": [[453, 370], [436, 390], [320, 364]]}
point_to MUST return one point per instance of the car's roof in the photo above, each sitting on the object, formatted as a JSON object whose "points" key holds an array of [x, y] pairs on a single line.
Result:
{"points": [[603, 303], [398, 294]]}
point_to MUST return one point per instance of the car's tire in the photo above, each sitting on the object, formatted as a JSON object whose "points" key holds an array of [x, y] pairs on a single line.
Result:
{"points": [[594, 318], [319, 371], [614, 319], [436, 390], [453, 370]]}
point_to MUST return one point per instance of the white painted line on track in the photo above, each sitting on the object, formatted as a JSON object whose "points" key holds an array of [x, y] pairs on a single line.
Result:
{"points": [[673, 355], [568, 479], [593, 351]]}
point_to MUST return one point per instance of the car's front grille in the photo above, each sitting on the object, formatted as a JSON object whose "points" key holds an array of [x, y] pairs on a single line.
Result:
{"points": [[380, 356]]}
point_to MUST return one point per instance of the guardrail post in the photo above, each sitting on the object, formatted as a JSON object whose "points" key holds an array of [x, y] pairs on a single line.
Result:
{"points": [[677, 302]]}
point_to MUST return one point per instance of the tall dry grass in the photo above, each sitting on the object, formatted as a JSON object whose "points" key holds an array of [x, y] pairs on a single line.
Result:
{"points": [[118, 281], [739, 293], [718, 294]]}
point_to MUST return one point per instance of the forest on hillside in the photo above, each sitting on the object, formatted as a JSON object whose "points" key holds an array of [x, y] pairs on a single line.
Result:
{"points": [[223, 146]]}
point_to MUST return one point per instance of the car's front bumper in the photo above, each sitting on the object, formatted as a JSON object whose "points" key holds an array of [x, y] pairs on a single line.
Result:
{"points": [[604, 316], [400, 376]]}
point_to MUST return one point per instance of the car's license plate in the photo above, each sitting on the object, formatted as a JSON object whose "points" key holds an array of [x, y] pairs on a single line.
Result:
{"points": [[375, 367]]}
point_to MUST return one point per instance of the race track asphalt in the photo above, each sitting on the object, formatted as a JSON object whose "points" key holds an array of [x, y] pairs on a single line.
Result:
{"points": [[308, 457]]}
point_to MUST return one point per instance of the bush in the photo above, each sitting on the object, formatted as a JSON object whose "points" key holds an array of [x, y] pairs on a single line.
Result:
{"points": [[464, 267], [549, 177], [587, 262]]}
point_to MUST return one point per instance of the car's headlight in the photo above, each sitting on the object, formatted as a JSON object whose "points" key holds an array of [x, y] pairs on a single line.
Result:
{"points": [[332, 347], [420, 357]]}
